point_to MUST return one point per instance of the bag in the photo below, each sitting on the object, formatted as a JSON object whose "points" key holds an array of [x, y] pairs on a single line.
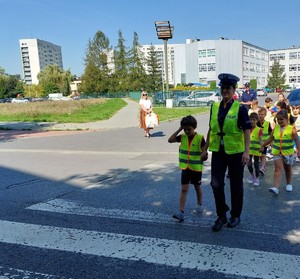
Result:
{"points": [[151, 120]]}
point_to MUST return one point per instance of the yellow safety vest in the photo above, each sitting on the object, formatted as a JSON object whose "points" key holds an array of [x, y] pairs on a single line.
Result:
{"points": [[283, 141], [233, 137], [190, 153], [254, 142], [265, 130]]}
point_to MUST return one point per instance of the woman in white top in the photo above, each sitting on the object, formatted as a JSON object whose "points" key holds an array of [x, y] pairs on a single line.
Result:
{"points": [[145, 108]]}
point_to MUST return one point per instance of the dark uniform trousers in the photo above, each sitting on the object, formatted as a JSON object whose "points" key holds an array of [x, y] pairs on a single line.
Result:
{"points": [[220, 162]]}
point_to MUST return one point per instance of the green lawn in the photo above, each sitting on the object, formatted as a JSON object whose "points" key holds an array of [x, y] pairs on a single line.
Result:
{"points": [[81, 111]]}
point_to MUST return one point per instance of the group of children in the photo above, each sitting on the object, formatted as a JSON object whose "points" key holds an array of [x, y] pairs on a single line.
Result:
{"points": [[281, 132], [273, 126]]}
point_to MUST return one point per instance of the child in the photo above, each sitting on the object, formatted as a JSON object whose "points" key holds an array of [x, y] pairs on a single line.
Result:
{"points": [[190, 162], [283, 136], [255, 146], [296, 116], [253, 107], [266, 131], [268, 106]]}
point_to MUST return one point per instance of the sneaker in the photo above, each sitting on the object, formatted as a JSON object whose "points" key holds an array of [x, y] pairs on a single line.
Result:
{"points": [[198, 209], [256, 181], [269, 156], [274, 191], [179, 216], [289, 188], [251, 179], [262, 171]]}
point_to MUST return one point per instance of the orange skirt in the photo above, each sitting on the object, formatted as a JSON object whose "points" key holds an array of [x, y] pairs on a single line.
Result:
{"points": [[143, 119]]}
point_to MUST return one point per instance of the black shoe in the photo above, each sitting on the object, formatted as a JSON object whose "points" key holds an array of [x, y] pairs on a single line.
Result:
{"points": [[219, 224], [233, 222]]}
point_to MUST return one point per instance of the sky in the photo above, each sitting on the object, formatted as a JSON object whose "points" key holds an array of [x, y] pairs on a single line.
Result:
{"points": [[269, 24]]}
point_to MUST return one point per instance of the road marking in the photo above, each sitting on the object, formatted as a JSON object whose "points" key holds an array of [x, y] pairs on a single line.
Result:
{"points": [[205, 220], [184, 254]]}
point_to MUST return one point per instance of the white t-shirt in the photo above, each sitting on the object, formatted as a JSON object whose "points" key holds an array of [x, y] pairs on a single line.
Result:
{"points": [[146, 103]]}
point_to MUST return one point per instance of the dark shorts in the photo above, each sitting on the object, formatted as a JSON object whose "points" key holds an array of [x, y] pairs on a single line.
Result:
{"points": [[188, 176]]}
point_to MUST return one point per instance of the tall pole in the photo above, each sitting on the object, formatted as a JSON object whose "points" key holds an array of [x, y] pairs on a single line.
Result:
{"points": [[166, 67]]}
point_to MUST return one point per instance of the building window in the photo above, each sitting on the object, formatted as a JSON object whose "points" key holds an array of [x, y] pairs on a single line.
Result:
{"points": [[211, 53], [252, 67], [246, 66], [202, 53], [293, 55], [292, 79], [293, 67], [211, 67], [202, 67], [245, 51], [252, 53]]}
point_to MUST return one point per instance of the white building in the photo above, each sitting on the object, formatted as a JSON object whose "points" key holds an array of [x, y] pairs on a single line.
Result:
{"points": [[201, 61], [159, 49], [290, 60], [36, 55]]}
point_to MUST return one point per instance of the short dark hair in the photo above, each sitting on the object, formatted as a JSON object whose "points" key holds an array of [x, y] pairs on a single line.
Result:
{"points": [[268, 100], [283, 113], [188, 121]]}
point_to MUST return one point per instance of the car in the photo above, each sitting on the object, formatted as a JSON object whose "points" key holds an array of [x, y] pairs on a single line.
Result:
{"points": [[288, 89], [19, 100], [261, 92], [199, 98], [294, 97], [159, 98], [279, 90]]}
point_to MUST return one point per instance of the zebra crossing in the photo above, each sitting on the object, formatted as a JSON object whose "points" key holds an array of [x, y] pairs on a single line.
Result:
{"points": [[189, 255]]}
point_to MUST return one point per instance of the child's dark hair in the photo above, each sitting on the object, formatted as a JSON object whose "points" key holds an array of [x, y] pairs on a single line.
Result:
{"points": [[188, 121], [254, 115], [268, 100], [283, 113]]}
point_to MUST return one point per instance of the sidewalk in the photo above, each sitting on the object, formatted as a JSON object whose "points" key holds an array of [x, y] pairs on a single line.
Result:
{"points": [[124, 118]]}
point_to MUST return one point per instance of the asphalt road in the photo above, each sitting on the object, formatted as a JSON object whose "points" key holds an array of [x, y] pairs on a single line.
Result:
{"points": [[98, 204]]}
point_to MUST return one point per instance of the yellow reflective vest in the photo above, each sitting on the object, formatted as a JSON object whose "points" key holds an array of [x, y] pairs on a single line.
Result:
{"points": [[265, 130], [254, 142], [190, 153], [283, 141], [233, 136]]}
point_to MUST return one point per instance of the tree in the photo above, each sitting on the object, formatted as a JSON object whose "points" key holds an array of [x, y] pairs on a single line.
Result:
{"points": [[154, 81], [96, 74], [136, 71], [276, 78], [54, 79], [120, 79], [10, 85]]}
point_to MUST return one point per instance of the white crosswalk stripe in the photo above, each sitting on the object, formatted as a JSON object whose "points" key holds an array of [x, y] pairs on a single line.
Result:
{"points": [[184, 254], [234, 261]]}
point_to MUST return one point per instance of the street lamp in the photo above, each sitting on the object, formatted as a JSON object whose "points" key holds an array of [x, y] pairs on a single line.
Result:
{"points": [[165, 31]]}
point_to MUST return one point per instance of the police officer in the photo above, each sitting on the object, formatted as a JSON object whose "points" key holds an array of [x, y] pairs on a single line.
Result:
{"points": [[229, 140], [248, 96]]}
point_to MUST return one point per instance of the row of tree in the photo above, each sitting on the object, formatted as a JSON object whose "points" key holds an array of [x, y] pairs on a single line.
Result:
{"points": [[107, 69]]}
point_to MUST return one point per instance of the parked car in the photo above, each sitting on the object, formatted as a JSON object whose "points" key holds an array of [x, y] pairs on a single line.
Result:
{"points": [[294, 97], [199, 98], [238, 94], [279, 90], [261, 92], [19, 100], [159, 98]]}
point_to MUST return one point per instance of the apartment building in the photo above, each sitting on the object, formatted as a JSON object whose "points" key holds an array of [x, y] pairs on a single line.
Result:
{"points": [[36, 55], [201, 61], [159, 49], [289, 59]]}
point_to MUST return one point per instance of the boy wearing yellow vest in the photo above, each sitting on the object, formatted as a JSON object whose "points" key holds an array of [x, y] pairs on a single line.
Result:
{"points": [[266, 131], [190, 162], [283, 138], [255, 146]]}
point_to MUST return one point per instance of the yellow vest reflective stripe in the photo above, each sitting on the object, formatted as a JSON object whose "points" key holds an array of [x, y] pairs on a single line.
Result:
{"points": [[254, 142], [265, 130], [233, 137], [190, 154], [283, 141]]}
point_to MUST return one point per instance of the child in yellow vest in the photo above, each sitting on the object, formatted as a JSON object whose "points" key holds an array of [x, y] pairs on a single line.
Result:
{"points": [[190, 162], [255, 146], [266, 131], [283, 137]]}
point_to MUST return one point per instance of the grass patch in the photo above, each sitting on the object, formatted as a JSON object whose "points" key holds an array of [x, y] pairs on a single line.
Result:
{"points": [[174, 113], [81, 111]]}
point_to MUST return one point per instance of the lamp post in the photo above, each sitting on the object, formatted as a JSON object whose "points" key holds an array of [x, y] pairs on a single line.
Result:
{"points": [[165, 31]]}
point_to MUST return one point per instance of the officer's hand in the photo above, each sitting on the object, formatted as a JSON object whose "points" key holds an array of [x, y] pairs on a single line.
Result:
{"points": [[204, 156]]}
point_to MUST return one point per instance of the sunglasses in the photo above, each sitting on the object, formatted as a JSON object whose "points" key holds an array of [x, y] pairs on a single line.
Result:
{"points": [[145, 94]]}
